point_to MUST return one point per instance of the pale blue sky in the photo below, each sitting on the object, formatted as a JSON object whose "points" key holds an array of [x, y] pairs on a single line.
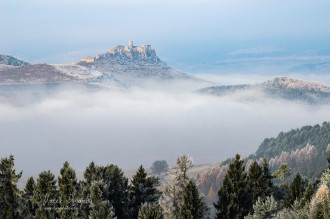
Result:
{"points": [[183, 32]]}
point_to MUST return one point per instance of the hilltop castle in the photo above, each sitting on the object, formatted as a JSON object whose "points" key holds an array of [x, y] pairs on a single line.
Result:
{"points": [[130, 51]]}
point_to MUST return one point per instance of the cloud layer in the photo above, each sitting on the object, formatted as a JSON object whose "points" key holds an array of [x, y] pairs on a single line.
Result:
{"points": [[135, 127]]}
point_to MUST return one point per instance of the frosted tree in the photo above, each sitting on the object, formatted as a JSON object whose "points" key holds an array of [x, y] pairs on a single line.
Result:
{"points": [[150, 211], [320, 204], [173, 191], [282, 172], [263, 208]]}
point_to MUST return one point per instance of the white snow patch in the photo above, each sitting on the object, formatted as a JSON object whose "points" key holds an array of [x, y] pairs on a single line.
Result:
{"points": [[78, 71]]}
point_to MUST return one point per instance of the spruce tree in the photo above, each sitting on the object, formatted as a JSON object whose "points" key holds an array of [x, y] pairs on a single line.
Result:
{"points": [[90, 175], [308, 195], [67, 184], [238, 200], [150, 211], [226, 196], [266, 184], [143, 189], [113, 186], [45, 196], [296, 190], [99, 207], [29, 207], [193, 205], [9, 193], [116, 190], [256, 181]]}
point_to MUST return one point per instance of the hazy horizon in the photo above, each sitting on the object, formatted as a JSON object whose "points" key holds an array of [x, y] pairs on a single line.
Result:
{"points": [[188, 35]]}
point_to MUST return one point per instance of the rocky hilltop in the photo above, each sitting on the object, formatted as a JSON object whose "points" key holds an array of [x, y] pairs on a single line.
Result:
{"points": [[295, 84], [132, 65], [142, 53], [279, 87], [120, 66]]}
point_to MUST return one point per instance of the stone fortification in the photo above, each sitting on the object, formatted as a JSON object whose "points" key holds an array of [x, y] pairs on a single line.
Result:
{"points": [[144, 52]]}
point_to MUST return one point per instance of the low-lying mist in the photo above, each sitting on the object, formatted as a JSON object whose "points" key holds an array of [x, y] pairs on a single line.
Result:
{"points": [[136, 126]]}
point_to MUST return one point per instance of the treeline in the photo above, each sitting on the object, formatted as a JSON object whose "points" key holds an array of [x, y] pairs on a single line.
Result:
{"points": [[104, 192], [256, 194]]}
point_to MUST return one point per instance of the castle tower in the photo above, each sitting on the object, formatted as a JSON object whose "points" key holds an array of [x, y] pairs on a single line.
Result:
{"points": [[130, 44]]}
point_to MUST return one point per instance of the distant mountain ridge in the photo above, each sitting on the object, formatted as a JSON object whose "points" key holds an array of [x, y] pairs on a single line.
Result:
{"points": [[279, 87]]}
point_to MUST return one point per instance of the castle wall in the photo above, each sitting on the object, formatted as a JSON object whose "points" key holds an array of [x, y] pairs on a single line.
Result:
{"points": [[130, 51]]}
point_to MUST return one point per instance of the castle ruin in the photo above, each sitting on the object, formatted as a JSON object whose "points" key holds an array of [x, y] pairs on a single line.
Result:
{"points": [[130, 51]]}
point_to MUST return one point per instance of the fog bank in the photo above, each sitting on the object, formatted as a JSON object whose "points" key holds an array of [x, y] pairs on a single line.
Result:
{"points": [[133, 127]]}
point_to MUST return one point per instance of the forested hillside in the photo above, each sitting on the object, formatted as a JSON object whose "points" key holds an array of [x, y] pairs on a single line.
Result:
{"points": [[304, 150]]}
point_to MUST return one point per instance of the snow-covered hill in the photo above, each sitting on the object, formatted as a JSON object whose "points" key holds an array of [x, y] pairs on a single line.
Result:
{"points": [[279, 87], [292, 83]]}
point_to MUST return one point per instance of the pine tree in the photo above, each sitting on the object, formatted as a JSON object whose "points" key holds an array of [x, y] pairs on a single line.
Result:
{"points": [[9, 194], [308, 195], [150, 211], [296, 190], [225, 204], [116, 190], [91, 174], [99, 207], [236, 202], [256, 181], [113, 186], [267, 184], [143, 189], [67, 183], [45, 196], [29, 207], [193, 205]]}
